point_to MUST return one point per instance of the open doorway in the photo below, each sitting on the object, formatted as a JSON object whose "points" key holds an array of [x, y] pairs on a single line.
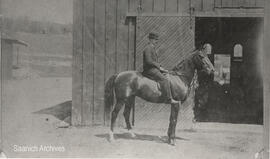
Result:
{"points": [[235, 92]]}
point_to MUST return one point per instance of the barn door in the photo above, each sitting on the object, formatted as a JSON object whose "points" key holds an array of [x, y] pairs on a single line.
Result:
{"points": [[176, 38], [176, 41]]}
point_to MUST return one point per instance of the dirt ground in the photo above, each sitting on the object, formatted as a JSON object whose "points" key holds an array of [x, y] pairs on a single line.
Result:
{"points": [[33, 108]]}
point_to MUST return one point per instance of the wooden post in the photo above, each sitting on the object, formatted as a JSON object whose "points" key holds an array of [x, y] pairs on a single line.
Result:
{"points": [[266, 72], [77, 67], [1, 81]]}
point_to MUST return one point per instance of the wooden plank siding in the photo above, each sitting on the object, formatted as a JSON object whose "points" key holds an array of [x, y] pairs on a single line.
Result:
{"points": [[171, 6], [147, 6], [99, 58], [238, 3], [266, 81], [159, 6], [77, 63], [89, 37], [110, 33], [1, 86], [104, 41]]}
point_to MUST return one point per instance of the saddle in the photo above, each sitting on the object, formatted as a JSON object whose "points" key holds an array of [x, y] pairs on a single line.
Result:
{"points": [[151, 78]]}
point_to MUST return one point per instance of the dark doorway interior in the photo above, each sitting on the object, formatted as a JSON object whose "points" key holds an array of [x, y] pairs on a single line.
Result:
{"points": [[235, 93]]}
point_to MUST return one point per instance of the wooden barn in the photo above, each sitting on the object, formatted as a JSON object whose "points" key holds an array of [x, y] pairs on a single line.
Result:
{"points": [[110, 35]]}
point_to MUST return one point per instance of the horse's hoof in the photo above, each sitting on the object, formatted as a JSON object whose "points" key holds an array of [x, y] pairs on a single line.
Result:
{"points": [[111, 140], [111, 137], [172, 142], [132, 134]]}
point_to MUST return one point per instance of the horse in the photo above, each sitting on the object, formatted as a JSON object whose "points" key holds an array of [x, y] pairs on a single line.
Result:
{"points": [[127, 85]]}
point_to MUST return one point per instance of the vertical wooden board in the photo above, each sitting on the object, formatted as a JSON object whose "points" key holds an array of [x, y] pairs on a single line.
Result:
{"points": [[252, 3], [159, 6], [235, 3], [218, 3], [245, 3], [1, 86], [208, 5], [133, 5], [77, 63], [122, 36], [139, 37], [110, 64], [226, 3], [266, 80], [88, 63], [122, 44], [241, 3], [110, 38], [183, 6], [131, 43], [171, 6], [147, 6], [260, 3], [99, 61], [197, 4]]}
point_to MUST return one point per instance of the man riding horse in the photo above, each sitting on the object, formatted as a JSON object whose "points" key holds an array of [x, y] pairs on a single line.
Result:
{"points": [[152, 68], [122, 88]]}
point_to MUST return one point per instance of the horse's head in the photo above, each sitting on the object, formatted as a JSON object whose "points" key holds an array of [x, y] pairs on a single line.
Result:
{"points": [[202, 62]]}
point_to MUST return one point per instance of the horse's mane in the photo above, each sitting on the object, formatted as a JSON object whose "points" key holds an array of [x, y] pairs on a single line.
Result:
{"points": [[189, 56]]}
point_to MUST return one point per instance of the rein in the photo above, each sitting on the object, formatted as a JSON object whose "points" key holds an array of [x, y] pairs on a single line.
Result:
{"points": [[193, 83]]}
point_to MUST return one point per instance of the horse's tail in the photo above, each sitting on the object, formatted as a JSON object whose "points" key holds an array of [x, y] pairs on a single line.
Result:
{"points": [[109, 95]]}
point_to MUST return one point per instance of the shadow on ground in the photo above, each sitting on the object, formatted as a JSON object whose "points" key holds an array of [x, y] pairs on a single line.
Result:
{"points": [[61, 111], [142, 137]]}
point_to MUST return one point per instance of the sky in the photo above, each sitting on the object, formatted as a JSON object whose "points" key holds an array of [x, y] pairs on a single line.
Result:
{"points": [[59, 11]]}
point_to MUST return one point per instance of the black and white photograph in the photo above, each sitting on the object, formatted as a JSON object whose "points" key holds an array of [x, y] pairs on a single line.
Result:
{"points": [[176, 79]]}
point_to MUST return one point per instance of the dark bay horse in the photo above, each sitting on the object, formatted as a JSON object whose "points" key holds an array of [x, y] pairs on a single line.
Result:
{"points": [[125, 86]]}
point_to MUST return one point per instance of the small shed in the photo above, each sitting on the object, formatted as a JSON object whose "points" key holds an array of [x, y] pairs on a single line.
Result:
{"points": [[7, 49]]}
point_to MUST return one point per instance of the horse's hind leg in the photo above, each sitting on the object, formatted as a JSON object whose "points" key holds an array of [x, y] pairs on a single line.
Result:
{"points": [[129, 104], [115, 112]]}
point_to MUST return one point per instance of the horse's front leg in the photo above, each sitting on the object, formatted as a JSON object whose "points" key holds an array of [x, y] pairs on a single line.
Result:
{"points": [[173, 122]]}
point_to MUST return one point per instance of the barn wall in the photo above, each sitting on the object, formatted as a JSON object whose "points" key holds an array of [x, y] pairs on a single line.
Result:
{"points": [[104, 44], [183, 6], [266, 80]]}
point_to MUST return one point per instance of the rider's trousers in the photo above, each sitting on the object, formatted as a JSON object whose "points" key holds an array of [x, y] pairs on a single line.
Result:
{"points": [[156, 75]]}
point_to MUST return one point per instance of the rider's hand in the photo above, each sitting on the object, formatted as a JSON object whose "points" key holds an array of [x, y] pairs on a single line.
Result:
{"points": [[163, 70]]}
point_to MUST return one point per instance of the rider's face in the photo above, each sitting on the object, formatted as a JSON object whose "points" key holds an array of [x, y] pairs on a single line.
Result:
{"points": [[154, 41]]}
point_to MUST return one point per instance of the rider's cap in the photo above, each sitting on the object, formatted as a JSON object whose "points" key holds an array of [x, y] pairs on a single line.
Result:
{"points": [[153, 35]]}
